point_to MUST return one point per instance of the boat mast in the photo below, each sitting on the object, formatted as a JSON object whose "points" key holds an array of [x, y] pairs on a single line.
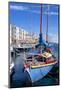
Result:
{"points": [[41, 21], [47, 28], [40, 38]]}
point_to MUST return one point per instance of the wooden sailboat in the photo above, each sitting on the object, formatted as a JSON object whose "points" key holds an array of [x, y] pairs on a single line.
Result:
{"points": [[40, 61]]}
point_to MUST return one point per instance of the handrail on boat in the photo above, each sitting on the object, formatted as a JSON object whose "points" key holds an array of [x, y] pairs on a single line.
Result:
{"points": [[42, 65]]}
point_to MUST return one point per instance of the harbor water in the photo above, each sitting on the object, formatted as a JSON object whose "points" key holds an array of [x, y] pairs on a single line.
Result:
{"points": [[21, 78]]}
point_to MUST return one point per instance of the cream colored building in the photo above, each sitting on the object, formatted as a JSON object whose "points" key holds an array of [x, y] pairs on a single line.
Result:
{"points": [[18, 35]]}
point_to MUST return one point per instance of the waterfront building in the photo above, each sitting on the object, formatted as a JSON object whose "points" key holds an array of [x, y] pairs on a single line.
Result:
{"points": [[20, 36]]}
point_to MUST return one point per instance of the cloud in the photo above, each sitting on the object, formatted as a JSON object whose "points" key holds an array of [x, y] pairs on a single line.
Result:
{"points": [[15, 7], [51, 13], [44, 13], [35, 11], [53, 37], [22, 8]]}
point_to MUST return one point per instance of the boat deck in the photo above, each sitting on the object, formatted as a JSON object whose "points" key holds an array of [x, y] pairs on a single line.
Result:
{"points": [[41, 60], [42, 65], [37, 64]]}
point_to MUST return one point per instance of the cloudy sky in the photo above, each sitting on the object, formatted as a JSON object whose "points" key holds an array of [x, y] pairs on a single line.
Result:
{"points": [[27, 16]]}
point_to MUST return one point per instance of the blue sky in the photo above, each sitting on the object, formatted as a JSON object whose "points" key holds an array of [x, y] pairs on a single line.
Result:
{"points": [[27, 16]]}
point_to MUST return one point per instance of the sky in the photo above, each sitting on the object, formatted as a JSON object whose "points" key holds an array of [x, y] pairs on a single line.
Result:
{"points": [[27, 16]]}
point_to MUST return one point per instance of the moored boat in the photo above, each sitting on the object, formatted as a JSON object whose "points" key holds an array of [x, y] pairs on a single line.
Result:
{"points": [[38, 66], [40, 60]]}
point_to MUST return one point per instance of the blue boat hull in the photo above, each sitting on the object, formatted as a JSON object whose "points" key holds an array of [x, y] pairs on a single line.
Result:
{"points": [[38, 73]]}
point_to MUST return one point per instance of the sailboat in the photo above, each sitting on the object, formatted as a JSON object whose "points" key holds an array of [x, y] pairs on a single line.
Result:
{"points": [[40, 60]]}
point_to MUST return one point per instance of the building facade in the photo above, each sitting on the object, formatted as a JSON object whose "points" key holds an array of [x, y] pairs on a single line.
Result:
{"points": [[19, 36]]}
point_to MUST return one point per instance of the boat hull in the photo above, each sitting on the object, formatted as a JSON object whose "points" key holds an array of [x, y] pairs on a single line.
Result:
{"points": [[38, 73]]}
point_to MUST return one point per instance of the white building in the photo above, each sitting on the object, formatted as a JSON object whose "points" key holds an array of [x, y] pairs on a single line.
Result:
{"points": [[14, 34], [18, 35]]}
